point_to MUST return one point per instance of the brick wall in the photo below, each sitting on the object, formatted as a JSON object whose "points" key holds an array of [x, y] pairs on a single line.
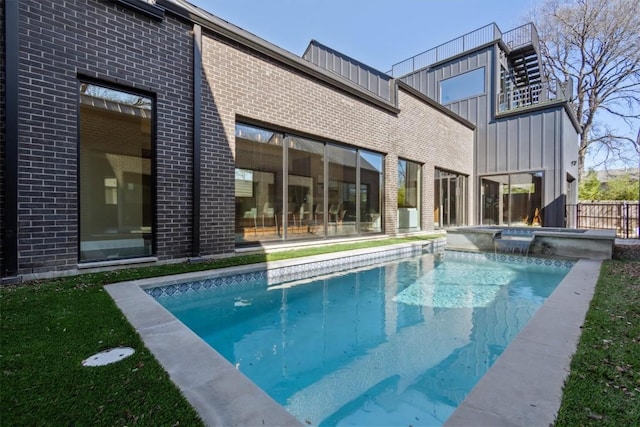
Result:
{"points": [[2, 136], [96, 38], [247, 85], [425, 135]]}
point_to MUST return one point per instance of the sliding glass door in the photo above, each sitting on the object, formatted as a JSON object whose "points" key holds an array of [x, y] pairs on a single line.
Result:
{"points": [[409, 192], [512, 199], [450, 199], [289, 187]]}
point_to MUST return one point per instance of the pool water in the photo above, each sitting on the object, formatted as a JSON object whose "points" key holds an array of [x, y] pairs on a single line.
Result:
{"points": [[401, 343]]}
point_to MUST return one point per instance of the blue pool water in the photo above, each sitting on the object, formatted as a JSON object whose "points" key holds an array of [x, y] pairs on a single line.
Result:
{"points": [[398, 344]]}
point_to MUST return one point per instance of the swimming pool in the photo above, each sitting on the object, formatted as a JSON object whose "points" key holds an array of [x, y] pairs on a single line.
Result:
{"points": [[401, 343]]}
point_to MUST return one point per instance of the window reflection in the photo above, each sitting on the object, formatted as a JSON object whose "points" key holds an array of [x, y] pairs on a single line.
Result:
{"points": [[371, 182], [462, 86], [258, 184], [512, 199], [305, 193], [450, 199], [409, 188], [116, 202], [342, 191], [290, 187]]}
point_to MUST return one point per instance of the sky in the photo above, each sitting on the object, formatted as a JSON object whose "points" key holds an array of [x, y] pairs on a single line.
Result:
{"points": [[377, 33]]}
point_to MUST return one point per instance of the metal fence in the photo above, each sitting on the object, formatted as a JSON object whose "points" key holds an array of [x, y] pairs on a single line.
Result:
{"points": [[621, 216]]}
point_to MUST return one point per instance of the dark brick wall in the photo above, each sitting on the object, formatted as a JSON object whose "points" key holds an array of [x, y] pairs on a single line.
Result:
{"points": [[58, 42], [2, 136], [109, 44]]}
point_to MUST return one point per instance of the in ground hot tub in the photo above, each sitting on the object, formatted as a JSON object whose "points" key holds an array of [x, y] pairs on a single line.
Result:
{"points": [[558, 242]]}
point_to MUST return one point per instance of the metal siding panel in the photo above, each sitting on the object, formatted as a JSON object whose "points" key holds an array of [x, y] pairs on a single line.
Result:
{"points": [[385, 91], [492, 147], [502, 149], [363, 78], [473, 111], [463, 108], [513, 144], [524, 143], [337, 64], [536, 143], [322, 58], [549, 140], [353, 72]]}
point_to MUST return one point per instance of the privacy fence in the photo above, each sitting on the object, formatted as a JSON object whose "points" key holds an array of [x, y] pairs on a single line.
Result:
{"points": [[620, 216]]}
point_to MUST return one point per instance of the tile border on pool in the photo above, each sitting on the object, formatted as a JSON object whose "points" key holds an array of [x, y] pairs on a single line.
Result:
{"points": [[301, 268], [509, 258]]}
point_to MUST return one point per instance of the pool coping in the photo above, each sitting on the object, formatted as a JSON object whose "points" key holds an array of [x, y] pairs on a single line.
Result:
{"points": [[524, 386], [222, 395]]}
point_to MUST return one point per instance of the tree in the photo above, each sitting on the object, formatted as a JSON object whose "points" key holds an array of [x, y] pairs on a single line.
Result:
{"points": [[622, 187], [589, 187], [596, 44]]}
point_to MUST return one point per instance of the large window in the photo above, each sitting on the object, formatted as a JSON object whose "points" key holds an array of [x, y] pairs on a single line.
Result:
{"points": [[371, 191], [462, 86], [513, 199], [259, 185], [450, 199], [116, 186], [290, 187], [409, 190], [305, 194]]}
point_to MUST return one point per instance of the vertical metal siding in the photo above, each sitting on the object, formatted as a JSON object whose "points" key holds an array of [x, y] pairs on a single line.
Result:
{"points": [[368, 78], [530, 141]]}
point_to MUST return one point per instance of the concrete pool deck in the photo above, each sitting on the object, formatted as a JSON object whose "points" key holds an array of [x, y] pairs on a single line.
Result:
{"points": [[522, 388]]}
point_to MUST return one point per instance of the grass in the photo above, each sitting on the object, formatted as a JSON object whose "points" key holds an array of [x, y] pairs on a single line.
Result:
{"points": [[603, 387], [49, 327]]}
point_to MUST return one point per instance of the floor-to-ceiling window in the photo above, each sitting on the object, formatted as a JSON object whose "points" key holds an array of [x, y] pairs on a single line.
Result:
{"points": [[291, 187], [342, 190], [305, 189], [512, 199], [371, 191], [450, 199], [116, 170], [258, 189], [409, 191]]}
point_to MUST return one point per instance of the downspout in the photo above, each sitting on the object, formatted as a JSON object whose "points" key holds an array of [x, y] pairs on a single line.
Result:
{"points": [[10, 220], [197, 107]]}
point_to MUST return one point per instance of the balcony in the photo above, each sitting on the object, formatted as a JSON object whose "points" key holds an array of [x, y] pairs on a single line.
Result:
{"points": [[533, 95], [523, 37]]}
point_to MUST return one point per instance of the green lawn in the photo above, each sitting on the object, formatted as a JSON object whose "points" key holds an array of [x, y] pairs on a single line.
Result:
{"points": [[603, 388], [48, 328]]}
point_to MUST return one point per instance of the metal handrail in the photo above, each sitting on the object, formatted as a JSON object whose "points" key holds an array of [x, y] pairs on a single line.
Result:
{"points": [[525, 96], [473, 39], [513, 39], [522, 36]]}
